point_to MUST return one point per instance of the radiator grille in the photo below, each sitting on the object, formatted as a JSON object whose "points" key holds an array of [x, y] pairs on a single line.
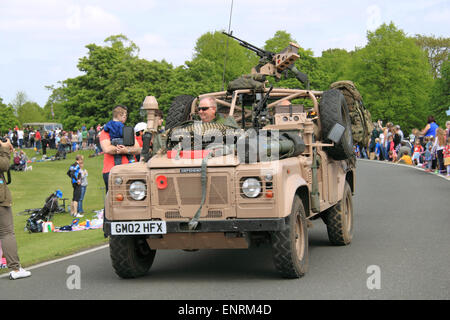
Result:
{"points": [[189, 189], [168, 196], [214, 214], [172, 215], [218, 193]]}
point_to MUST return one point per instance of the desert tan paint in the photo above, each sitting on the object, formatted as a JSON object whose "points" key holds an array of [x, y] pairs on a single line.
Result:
{"points": [[288, 176]]}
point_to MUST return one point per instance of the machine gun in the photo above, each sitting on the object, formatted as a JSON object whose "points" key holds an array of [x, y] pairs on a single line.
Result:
{"points": [[273, 64], [259, 108], [263, 54]]}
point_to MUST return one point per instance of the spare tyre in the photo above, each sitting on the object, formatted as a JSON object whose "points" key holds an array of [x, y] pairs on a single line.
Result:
{"points": [[179, 111], [333, 109]]}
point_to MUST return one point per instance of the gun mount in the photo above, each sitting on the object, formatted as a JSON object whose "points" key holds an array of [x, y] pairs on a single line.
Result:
{"points": [[274, 64]]}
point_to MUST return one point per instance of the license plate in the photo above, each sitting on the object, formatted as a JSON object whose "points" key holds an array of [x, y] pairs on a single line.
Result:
{"points": [[138, 227]]}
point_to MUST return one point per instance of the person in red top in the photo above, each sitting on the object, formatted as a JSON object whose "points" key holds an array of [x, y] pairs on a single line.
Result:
{"points": [[109, 150], [37, 139], [139, 131], [418, 150]]}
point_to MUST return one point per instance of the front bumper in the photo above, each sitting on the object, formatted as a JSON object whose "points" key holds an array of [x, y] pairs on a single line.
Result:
{"points": [[230, 225]]}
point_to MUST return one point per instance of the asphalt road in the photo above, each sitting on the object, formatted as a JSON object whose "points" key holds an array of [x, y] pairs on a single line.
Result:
{"points": [[401, 248]]}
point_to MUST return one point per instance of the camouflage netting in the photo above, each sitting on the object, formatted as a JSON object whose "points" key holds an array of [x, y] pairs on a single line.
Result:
{"points": [[248, 81], [361, 119]]}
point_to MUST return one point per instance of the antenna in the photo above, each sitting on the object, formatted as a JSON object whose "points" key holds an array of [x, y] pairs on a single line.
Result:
{"points": [[226, 51]]}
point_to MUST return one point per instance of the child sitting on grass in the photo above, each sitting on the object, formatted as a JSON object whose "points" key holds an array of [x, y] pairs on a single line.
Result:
{"points": [[406, 158], [393, 156]]}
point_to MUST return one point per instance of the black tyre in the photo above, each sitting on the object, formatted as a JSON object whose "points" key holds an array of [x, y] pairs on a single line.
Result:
{"points": [[333, 109], [339, 219], [290, 246], [131, 256], [179, 111]]}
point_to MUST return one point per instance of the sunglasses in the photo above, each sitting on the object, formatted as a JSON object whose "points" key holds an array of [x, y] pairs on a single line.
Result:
{"points": [[203, 108]]}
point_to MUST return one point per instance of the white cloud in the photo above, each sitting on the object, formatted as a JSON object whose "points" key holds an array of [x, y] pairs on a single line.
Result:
{"points": [[374, 17], [151, 40], [152, 46], [99, 17], [92, 20], [345, 41], [438, 16], [73, 22], [56, 17]]}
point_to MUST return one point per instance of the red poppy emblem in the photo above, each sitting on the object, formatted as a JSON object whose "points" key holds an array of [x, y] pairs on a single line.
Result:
{"points": [[161, 182]]}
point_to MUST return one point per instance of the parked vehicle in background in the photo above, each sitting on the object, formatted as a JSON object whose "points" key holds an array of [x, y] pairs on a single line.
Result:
{"points": [[44, 126]]}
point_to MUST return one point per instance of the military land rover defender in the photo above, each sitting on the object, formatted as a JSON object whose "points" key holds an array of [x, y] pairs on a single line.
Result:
{"points": [[287, 159]]}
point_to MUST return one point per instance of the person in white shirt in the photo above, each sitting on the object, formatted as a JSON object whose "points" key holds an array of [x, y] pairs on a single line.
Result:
{"points": [[20, 138]]}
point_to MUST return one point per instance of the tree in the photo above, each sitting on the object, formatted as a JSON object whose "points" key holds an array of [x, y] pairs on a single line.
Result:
{"points": [[440, 97], [8, 119], [213, 48], [394, 77], [53, 111], [30, 112], [333, 65], [437, 50], [113, 74], [205, 72], [19, 100]]}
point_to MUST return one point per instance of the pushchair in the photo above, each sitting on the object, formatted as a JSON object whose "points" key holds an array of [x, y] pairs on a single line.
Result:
{"points": [[44, 214], [60, 154]]}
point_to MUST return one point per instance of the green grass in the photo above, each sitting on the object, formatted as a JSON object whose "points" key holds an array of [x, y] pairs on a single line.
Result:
{"points": [[30, 189]]}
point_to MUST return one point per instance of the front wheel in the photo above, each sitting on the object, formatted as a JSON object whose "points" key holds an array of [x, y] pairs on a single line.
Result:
{"points": [[290, 246], [131, 256], [339, 219]]}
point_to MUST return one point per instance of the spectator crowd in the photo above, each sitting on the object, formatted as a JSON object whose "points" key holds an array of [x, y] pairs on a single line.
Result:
{"points": [[428, 148], [63, 141]]}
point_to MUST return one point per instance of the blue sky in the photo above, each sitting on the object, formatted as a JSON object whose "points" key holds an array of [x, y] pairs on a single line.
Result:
{"points": [[42, 40]]}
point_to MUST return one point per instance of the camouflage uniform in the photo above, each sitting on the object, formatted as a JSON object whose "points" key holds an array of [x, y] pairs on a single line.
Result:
{"points": [[7, 236], [226, 121], [5, 194]]}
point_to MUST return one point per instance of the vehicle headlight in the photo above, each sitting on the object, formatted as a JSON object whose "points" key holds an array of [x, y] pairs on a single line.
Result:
{"points": [[138, 190], [251, 187]]}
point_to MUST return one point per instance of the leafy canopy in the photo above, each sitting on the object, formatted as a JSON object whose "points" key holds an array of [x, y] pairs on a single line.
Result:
{"points": [[393, 72], [113, 74], [394, 77]]}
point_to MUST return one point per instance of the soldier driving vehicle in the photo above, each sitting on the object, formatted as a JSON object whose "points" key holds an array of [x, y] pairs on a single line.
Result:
{"points": [[258, 175]]}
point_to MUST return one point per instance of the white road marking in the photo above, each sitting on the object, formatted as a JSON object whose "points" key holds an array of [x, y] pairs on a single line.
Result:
{"points": [[61, 259]]}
